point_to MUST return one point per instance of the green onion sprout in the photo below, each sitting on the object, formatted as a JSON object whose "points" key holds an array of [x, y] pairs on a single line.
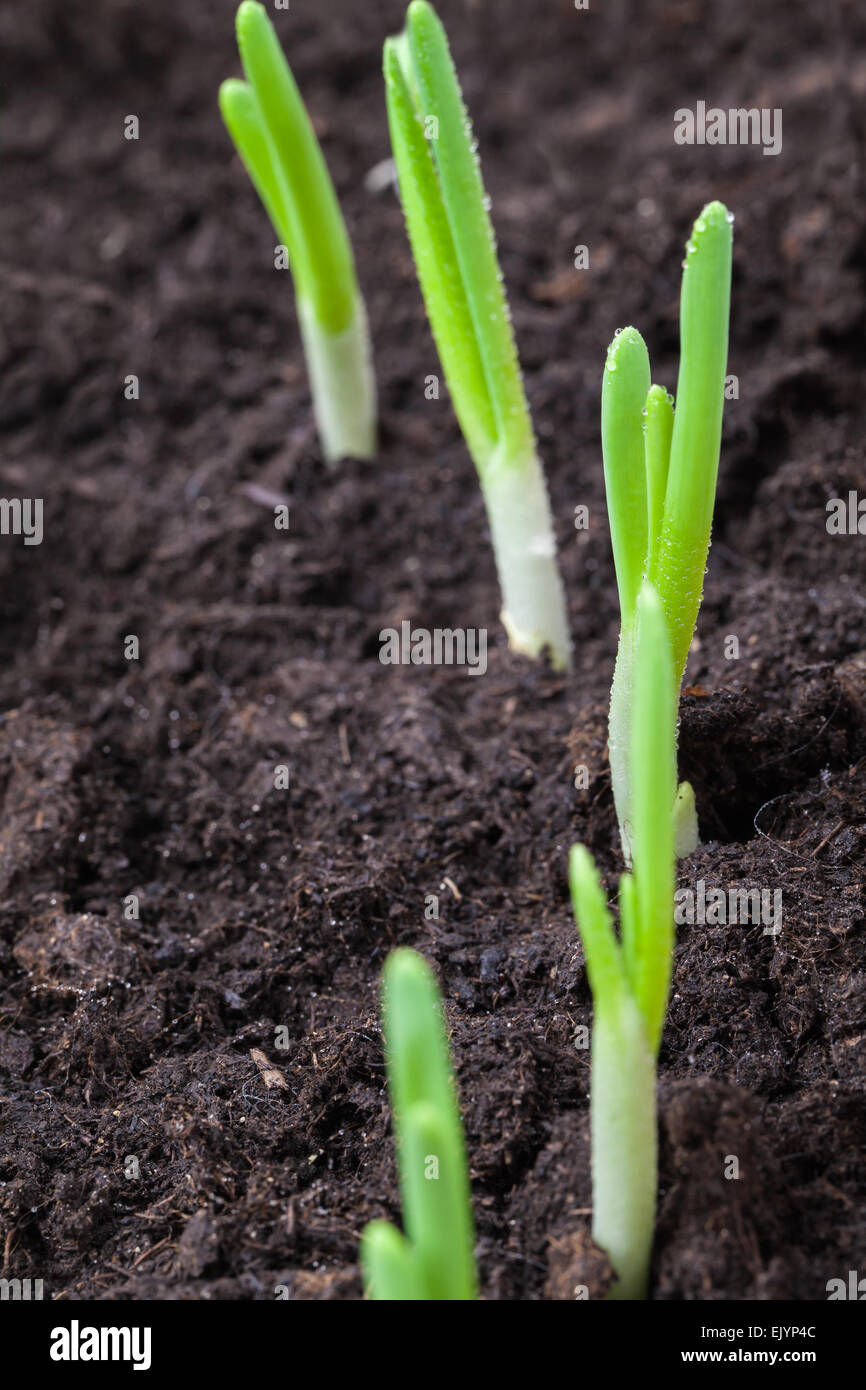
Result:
{"points": [[266, 118], [660, 466], [630, 975], [435, 1258], [453, 245]]}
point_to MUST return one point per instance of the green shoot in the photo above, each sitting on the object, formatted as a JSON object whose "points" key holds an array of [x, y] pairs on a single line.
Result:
{"points": [[455, 254], [266, 118], [660, 468], [435, 1258], [630, 975]]}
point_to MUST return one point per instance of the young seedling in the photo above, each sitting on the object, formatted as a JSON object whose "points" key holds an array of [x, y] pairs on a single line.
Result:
{"points": [[455, 254], [660, 470], [434, 1259], [271, 130], [630, 975]]}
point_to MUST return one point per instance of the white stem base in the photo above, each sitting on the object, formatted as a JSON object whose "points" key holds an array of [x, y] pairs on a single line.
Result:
{"points": [[340, 367], [624, 1144], [534, 612]]}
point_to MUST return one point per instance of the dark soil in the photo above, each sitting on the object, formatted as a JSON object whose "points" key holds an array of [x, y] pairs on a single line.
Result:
{"points": [[263, 909]]}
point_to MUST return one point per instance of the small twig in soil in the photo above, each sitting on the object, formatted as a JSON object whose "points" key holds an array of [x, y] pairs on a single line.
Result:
{"points": [[345, 754], [827, 838], [145, 1254]]}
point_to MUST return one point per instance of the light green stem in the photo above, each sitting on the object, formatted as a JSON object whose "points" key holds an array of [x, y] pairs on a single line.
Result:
{"points": [[342, 383], [619, 731], [388, 1261], [624, 1143], [272, 132], [620, 722], [534, 612], [454, 249]]}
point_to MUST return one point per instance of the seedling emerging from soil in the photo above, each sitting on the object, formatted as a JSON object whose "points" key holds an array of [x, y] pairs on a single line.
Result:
{"points": [[630, 976], [455, 253], [269, 125], [660, 470], [435, 1259]]}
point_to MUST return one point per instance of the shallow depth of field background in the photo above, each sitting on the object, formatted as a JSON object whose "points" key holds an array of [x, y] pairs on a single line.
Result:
{"points": [[262, 909]]}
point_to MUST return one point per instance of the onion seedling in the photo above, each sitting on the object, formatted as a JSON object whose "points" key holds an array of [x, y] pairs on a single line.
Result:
{"points": [[630, 975], [435, 1258], [268, 122], [453, 245], [660, 468]]}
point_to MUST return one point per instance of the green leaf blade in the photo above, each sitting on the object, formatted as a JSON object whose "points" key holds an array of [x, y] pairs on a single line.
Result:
{"points": [[681, 555], [465, 204], [654, 788], [452, 242], [657, 438], [437, 1211], [625, 385], [628, 929], [604, 961], [436, 259], [437, 1208], [417, 1054], [245, 124], [622, 1098], [323, 264], [388, 1265]]}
